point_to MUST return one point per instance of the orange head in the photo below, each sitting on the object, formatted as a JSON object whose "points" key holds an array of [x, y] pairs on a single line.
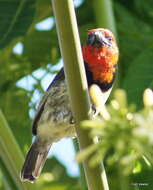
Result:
{"points": [[100, 55]]}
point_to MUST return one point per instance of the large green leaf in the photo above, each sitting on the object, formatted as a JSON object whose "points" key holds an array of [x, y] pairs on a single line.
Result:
{"points": [[11, 155], [15, 19], [140, 76], [140, 9], [136, 47], [7, 180], [42, 5], [134, 36], [16, 110]]}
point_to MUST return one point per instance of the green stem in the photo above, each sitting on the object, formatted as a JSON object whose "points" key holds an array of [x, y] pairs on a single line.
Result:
{"points": [[82, 180], [11, 155], [104, 14], [76, 79], [124, 180]]}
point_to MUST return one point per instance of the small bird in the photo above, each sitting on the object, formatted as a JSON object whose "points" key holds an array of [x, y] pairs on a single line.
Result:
{"points": [[54, 119]]}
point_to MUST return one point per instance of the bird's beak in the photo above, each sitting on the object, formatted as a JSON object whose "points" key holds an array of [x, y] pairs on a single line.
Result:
{"points": [[97, 39]]}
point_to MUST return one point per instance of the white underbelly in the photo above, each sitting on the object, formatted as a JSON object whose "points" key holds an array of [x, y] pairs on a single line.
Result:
{"points": [[52, 132]]}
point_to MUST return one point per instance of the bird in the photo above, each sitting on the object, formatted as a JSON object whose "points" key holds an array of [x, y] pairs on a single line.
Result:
{"points": [[54, 119]]}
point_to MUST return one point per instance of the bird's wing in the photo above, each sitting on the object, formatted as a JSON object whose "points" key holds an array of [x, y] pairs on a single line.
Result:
{"points": [[59, 77]]}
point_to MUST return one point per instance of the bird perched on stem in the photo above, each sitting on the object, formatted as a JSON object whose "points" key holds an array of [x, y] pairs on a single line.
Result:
{"points": [[54, 119]]}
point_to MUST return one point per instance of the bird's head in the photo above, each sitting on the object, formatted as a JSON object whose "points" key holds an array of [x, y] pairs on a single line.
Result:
{"points": [[100, 54]]}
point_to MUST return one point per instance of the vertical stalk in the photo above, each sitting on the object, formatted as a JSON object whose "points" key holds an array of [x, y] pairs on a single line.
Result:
{"points": [[75, 75], [104, 14], [82, 180]]}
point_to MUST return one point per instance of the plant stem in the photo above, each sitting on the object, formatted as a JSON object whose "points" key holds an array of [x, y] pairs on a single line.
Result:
{"points": [[75, 75], [104, 14], [82, 180]]}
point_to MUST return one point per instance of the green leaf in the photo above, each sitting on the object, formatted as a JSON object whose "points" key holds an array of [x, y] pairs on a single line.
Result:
{"points": [[139, 77], [43, 10], [11, 154], [18, 120], [141, 9], [135, 36], [15, 18], [6, 177], [136, 47]]}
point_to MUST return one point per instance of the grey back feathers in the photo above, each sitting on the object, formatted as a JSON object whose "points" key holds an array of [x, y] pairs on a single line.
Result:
{"points": [[59, 78]]}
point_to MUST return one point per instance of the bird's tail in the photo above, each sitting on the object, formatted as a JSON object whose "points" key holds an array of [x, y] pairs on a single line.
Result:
{"points": [[34, 161]]}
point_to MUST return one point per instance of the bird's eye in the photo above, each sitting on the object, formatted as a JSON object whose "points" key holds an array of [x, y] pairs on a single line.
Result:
{"points": [[109, 38]]}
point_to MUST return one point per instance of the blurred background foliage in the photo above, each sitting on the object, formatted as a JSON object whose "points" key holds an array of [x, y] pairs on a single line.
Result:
{"points": [[39, 49], [127, 142]]}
